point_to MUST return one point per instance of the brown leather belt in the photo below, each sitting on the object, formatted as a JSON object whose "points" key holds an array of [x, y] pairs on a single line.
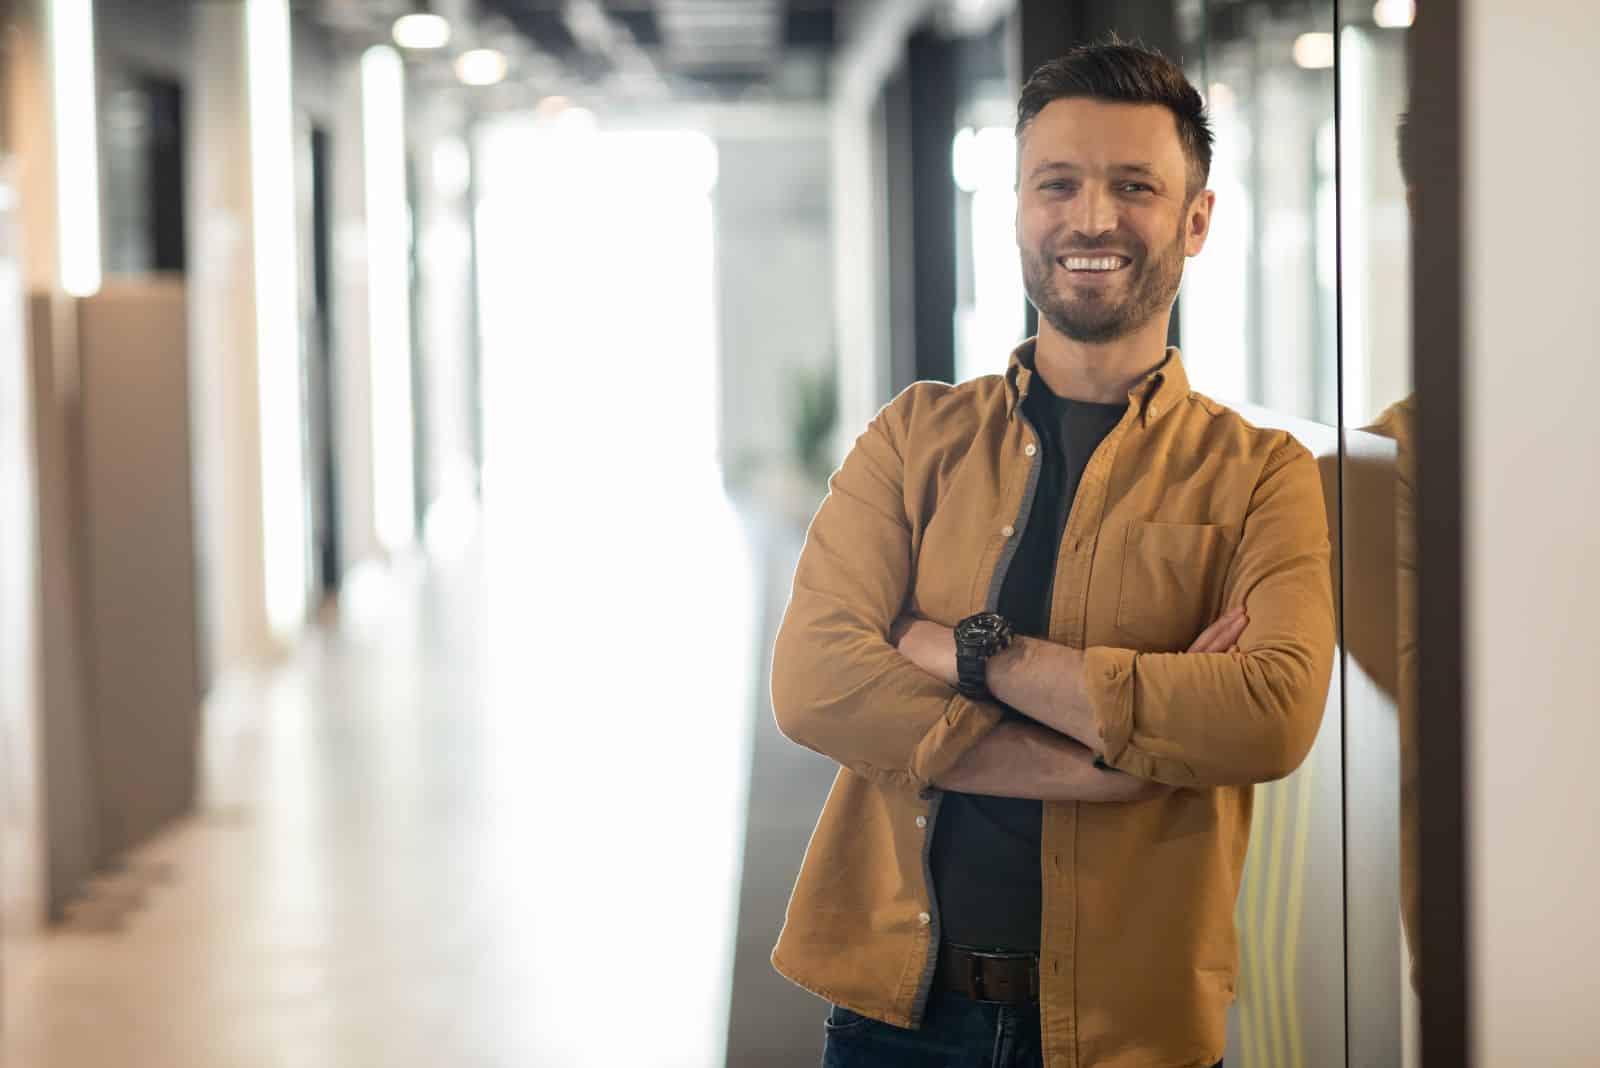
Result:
{"points": [[1000, 978]]}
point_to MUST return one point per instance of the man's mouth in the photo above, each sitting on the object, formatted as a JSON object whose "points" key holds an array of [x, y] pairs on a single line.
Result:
{"points": [[1098, 264]]}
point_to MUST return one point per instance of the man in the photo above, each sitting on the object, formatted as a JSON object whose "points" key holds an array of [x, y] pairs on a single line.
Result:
{"points": [[1053, 625]]}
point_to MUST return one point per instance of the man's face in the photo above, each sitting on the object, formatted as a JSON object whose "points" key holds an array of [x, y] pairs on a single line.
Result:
{"points": [[1103, 219]]}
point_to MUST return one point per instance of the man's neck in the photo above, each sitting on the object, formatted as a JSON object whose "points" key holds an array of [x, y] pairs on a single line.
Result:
{"points": [[1104, 372]]}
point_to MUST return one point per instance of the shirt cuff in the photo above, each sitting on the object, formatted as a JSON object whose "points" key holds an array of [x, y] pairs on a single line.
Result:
{"points": [[963, 725], [1108, 686]]}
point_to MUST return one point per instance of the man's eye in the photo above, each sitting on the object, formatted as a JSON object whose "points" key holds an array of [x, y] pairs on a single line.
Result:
{"points": [[1054, 185], [1135, 187]]}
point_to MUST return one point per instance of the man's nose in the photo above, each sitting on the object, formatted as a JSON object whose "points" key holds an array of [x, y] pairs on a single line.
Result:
{"points": [[1093, 212]]}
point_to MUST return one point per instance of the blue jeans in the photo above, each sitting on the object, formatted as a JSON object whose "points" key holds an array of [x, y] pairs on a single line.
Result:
{"points": [[956, 1033]]}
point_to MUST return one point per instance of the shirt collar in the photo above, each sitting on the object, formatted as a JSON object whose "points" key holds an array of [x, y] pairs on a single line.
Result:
{"points": [[1155, 394]]}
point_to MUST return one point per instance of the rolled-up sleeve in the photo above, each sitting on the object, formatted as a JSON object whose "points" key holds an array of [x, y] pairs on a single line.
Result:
{"points": [[1215, 719], [838, 686]]}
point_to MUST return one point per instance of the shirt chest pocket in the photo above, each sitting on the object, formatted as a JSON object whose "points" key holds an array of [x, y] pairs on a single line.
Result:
{"points": [[1171, 583]]}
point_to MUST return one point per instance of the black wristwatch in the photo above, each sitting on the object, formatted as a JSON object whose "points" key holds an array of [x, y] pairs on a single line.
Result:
{"points": [[977, 639]]}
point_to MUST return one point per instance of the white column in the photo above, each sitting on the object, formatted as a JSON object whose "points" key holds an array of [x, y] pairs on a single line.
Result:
{"points": [[1532, 528], [246, 359], [358, 532]]}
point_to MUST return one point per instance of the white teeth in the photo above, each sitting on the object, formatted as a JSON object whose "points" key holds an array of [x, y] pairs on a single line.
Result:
{"points": [[1092, 263]]}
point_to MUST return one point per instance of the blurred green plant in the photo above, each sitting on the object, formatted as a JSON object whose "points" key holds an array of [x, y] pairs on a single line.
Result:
{"points": [[812, 406]]}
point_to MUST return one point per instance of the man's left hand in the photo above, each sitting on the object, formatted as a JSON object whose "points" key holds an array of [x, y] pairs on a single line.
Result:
{"points": [[928, 645]]}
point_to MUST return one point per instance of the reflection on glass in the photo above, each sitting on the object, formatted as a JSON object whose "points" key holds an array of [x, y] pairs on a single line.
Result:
{"points": [[1257, 316]]}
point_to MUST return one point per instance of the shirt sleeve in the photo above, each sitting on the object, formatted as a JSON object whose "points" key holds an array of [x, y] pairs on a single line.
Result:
{"points": [[1216, 719], [838, 686]]}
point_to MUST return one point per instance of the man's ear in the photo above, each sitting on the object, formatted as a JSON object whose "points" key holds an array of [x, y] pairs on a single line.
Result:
{"points": [[1197, 222]]}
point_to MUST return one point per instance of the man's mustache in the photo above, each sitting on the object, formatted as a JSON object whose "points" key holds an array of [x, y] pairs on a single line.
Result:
{"points": [[1095, 248]]}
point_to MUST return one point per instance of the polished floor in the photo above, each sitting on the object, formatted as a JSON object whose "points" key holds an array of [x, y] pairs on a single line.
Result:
{"points": [[521, 805]]}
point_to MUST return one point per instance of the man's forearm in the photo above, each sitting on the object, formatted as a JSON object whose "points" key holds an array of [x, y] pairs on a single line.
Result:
{"points": [[1044, 682], [1041, 680], [1022, 759]]}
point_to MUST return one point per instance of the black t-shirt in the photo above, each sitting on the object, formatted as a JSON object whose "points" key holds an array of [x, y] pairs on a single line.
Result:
{"points": [[985, 857]]}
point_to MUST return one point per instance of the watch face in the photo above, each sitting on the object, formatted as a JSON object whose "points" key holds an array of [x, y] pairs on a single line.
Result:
{"points": [[986, 629], [978, 630]]}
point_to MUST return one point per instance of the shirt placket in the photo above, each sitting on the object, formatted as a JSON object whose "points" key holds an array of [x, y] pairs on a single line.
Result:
{"points": [[1058, 1010], [1019, 443]]}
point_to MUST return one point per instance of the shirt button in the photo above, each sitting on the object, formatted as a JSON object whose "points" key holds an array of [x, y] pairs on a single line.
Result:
{"points": [[1008, 530], [922, 821], [1030, 449], [924, 919]]}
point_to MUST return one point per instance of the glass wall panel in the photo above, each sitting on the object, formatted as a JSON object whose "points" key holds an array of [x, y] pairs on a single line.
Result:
{"points": [[1258, 322], [1376, 531]]}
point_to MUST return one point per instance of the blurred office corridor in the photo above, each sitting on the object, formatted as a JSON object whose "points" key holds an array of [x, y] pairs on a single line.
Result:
{"points": [[489, 818]]}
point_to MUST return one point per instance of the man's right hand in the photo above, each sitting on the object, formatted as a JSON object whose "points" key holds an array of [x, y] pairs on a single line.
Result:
{"points": [[1223, 635]]}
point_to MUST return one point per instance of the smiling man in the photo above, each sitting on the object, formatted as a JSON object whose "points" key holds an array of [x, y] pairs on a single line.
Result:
{"points": [[1053, 625]]}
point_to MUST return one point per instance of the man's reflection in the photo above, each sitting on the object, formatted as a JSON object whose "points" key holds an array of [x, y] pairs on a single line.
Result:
{"points": [[1398, 424]]}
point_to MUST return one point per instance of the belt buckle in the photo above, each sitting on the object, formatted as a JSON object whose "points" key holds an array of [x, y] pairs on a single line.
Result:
{"points": [[975, 976], [976, 959]]}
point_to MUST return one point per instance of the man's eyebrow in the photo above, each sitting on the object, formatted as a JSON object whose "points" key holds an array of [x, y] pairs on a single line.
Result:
{"points": [[1052, 165], [1046, 166]]}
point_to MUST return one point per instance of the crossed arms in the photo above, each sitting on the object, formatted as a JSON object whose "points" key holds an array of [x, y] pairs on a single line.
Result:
{"points": [[1052, 757], [853, 682]]}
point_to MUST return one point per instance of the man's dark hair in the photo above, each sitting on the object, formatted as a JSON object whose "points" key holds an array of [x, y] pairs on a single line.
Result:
{"points": [[1127, 73]]}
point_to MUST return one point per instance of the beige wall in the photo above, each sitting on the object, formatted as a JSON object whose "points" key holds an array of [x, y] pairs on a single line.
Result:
{"points": [[21, 818], [53, 758], [1532, 528]]}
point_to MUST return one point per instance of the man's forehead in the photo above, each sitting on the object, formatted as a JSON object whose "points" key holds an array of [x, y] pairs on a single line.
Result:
{"points": [[1101, 133]]}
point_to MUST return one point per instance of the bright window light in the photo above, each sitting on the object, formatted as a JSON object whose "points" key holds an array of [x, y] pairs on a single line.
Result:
{"points": [[71, 30], [984, 159], [984, 162], [1314, 51], [283, 483], [1394, 14], [421, 31], [383, 135], [572, 241], [962, 164], [481, 66]]}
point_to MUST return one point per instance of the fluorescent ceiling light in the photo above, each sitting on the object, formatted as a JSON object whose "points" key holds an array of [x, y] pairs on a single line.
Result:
{"points": [[421, 30], [270, 80], [1394, 14], [1314, 51], [481, 66], [71, 30], [383, 133]]}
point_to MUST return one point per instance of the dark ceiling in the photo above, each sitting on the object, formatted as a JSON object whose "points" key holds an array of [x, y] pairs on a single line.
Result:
{"points": [[727, 47]]}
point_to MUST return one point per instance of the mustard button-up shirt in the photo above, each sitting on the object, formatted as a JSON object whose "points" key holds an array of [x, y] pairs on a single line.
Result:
{"points": [[1184, 511]]}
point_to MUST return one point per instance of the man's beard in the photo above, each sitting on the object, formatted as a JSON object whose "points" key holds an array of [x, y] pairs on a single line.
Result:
{"points": [[1095, 316]]}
